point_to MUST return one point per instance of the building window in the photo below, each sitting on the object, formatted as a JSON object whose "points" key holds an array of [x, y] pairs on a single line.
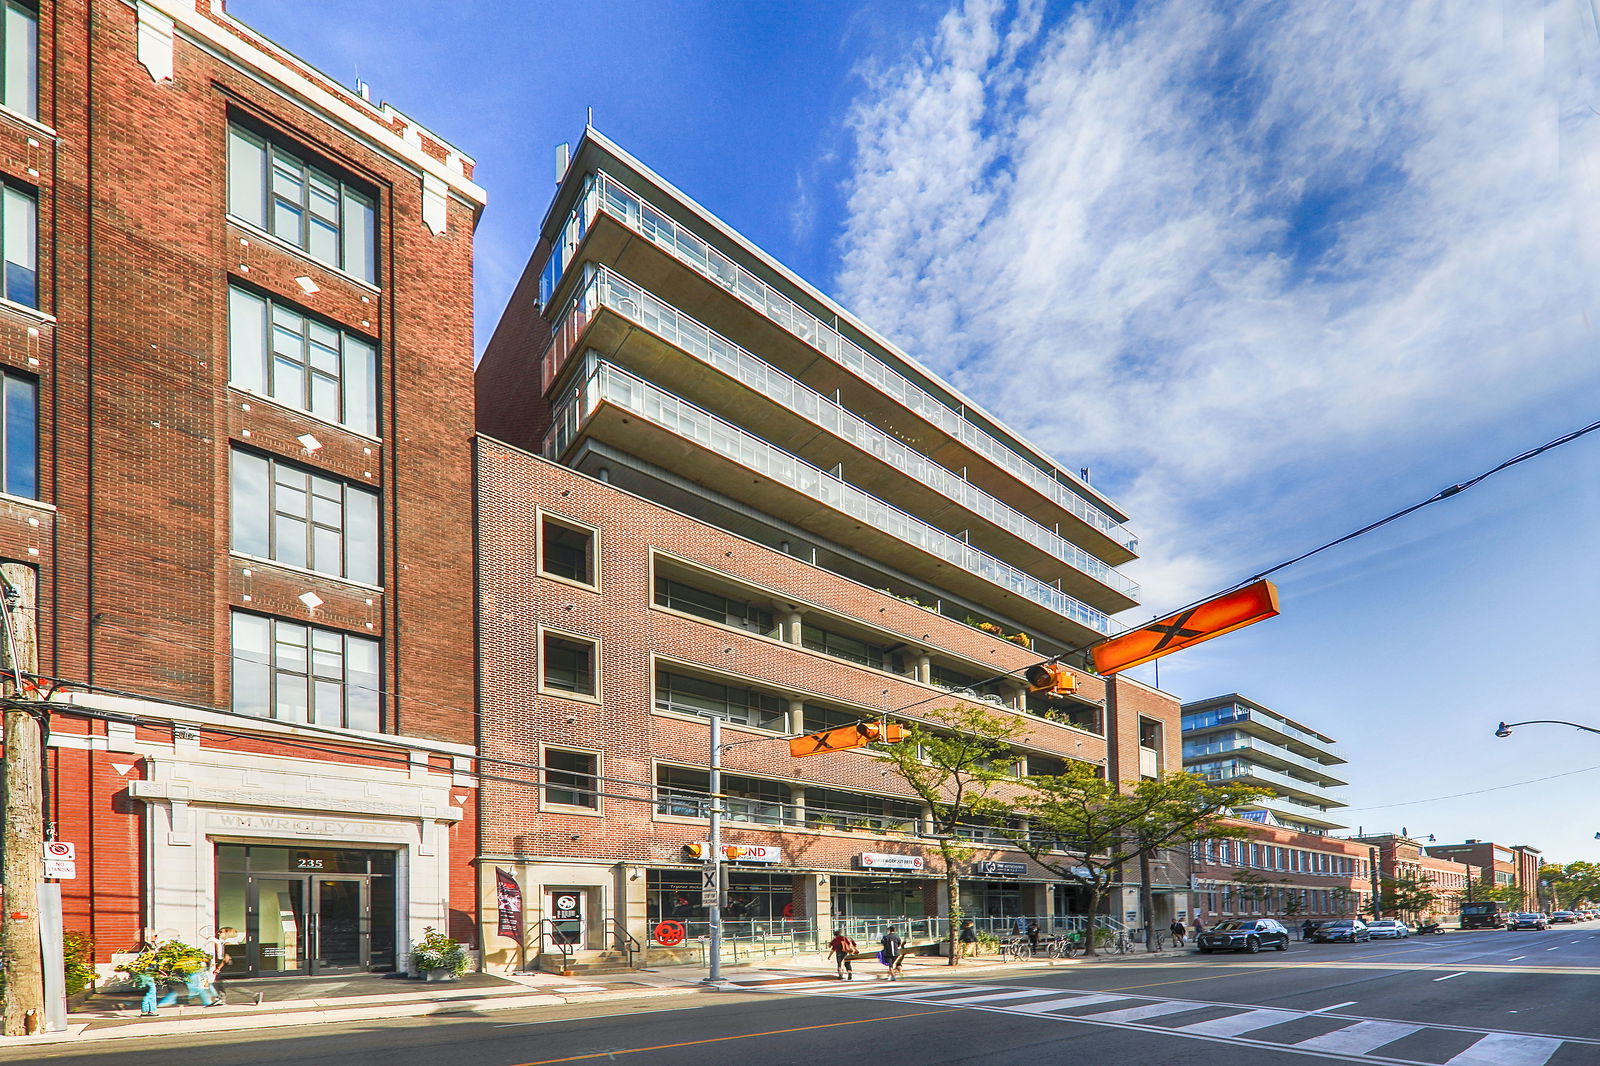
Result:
{"points": [[714, 607], [829, 642], [291, 515], [19, 242], [299, 673], [570, 665], [19, 435], [572, 778], [301, 362], [735, 703], [19, 39], [568, 551], [274, 189]]}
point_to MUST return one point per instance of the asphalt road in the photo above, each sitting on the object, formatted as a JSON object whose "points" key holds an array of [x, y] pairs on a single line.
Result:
{"points": [[1493, 998]]}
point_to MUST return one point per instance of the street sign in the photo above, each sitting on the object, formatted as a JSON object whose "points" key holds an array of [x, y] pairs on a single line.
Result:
{"points": [[60, 849], [1219, 615], [61, 869], [710, 884]]}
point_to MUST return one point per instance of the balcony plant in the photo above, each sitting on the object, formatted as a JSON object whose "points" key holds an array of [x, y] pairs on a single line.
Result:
{"points": [[438, 957]]}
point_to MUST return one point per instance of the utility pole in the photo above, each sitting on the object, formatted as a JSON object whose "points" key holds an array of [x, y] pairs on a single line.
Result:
{"points": [[714, 978], [23, 869]]}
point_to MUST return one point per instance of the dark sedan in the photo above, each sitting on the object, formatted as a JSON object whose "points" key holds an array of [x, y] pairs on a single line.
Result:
{"points": [[1244, 934], [1345, 930]]}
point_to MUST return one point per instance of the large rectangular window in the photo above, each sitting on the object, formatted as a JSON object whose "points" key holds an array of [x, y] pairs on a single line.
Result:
{"points": [[571, 665], [19, 245], [300, 673], [291, 515], [572, 778], [302, 362], [19, 435], [19, 44], [715, 607], [736, 703], [274, 189]]}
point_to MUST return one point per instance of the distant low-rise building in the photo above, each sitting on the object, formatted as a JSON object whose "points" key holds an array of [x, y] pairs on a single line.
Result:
{"points": [[1499, 864], [1402, 858]]}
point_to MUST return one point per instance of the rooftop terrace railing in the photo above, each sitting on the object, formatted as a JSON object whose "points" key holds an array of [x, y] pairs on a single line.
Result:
{"points": [[606, 288], [601, 382], [601, 192]]}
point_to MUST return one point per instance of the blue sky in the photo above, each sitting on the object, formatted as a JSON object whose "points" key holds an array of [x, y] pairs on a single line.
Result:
{"points": [[1272, 271]]}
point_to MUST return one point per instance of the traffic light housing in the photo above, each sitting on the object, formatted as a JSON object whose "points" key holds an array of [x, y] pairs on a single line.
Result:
{"points": [[1051, 680], [847, 736]]}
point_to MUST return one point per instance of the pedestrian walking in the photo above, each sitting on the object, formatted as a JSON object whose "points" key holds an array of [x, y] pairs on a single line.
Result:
{"points": [[1033, 938], [1176, 929], [893, 952], [1199, 927], [842, 947], [1307, 927], [969, 938], [217, 947]]}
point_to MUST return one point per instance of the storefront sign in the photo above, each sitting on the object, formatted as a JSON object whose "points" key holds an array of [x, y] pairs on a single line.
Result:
{"points": [[765, 853], [872, 860], [509, 895], [990, 868], [566, 906]]}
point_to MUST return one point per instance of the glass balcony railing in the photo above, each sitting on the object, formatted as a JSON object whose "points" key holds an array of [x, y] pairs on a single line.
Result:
{"points": [[606, 288], [1226, 715], [1237, 742], [680, 803], [600, 382], [601, 192], [1237, 769]]}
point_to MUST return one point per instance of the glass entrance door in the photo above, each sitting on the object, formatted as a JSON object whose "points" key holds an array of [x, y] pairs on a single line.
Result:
{"points": [[278, 912], [338, 930]]}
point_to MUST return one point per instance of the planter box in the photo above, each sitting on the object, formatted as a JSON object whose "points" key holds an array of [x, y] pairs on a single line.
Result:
{"points": [[438, 975]]}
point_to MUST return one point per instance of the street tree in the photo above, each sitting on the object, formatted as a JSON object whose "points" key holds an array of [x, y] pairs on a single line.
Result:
{"points": [[957, 759], [1083, 828], [1407, 894], [1572, 883]]}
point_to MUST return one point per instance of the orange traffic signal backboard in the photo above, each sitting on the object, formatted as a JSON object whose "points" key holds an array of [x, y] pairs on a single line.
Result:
{"points": [[847, 736], [1224, 614]]}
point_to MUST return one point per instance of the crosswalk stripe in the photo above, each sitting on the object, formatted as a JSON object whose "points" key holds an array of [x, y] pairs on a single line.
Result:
{"points": [[1360, 1038], [1507, 1049], [1234, 1024], [995, 997], [1049, 1005], [898, 991], [1149, 1010]]}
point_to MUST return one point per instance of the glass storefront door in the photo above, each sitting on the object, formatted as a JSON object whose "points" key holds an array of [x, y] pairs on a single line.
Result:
{"points": [[339, 919]]}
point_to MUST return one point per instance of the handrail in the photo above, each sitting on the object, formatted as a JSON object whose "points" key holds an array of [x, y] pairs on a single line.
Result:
{"points": [[625, 941], [561, 945]]}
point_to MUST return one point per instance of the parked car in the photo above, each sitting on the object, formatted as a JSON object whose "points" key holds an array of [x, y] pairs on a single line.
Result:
{"points": [[1563, 916], [1346, 930], [1526, 920], [1244, 934], [1391, 928]]}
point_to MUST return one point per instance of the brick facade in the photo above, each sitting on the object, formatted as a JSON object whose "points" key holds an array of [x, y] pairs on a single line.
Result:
{"points": [[130, 534], [1284, 874]]}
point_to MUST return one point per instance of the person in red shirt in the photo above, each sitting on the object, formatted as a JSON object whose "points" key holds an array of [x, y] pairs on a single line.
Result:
{"points": [[841, 948]]}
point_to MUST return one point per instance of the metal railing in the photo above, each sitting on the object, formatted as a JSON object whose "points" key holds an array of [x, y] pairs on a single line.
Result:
{"points": [[682, 803], [604, 287], [545, 929], [602, 382], [625, 941], [602, 192]]}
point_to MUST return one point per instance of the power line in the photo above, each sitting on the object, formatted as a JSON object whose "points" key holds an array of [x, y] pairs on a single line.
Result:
{"points": [[1476, 791]]}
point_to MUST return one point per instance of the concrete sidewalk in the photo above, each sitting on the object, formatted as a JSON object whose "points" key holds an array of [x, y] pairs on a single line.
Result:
{"points": [[485, 992]]}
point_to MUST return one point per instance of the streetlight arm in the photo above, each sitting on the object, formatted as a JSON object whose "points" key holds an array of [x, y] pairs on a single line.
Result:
{"points": [[1505, 728]]}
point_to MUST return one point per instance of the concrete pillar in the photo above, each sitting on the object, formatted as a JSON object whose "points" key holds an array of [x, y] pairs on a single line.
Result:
{"points": [[792, 622], [797, 716], [922, 668], [816, 893], [632, 901]]}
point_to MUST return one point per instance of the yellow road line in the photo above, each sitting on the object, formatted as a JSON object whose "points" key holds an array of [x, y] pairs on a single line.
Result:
{"points": [[720, 1039]]}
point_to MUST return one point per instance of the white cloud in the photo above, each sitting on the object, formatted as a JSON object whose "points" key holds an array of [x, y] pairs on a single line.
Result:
{"points": [[1219, 244]]}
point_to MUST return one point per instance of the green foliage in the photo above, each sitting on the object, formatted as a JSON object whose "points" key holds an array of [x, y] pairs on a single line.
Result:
{"points": [[955, 760], [172, 961], [78, 953], [1083, 828], [1576, 882], [1408, 895], [436, 951]]}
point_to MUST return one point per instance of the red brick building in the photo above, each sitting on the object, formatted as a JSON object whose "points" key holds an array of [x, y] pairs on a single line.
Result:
{"points": [[1496, 864], [1282, 873], [1402, 857], [720, 494], [238, 405]]}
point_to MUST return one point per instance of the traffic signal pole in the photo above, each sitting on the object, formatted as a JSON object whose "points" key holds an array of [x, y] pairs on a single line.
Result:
{"points": [[23, 870], [715, 976]]}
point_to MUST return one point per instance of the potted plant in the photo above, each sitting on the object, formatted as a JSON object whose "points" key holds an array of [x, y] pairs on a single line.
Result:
{"points": [[438, 957]]}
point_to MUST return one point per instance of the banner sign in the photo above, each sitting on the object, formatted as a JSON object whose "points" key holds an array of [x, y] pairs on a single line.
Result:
{"points": [[871, 860], [509, 895], [990, 868], [739, 852]]}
